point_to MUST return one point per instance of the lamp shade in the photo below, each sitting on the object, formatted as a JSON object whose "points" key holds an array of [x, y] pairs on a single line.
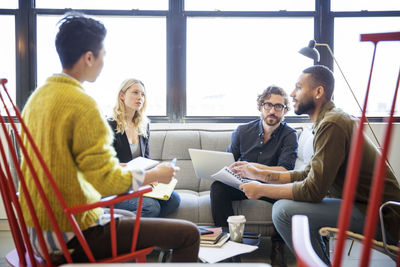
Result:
{"points": [[310, 51]]}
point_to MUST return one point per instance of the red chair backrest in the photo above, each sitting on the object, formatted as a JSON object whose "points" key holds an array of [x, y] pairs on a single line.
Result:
{"points": [[13, 210], [354, 168]]}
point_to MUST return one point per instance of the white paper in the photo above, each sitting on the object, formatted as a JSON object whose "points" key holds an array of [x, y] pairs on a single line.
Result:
{"points": [[142, 163], [230, 249], [226, 176]]}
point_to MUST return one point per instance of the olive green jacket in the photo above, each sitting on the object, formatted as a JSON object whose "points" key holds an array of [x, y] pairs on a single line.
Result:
{"points": [[325, 174]]}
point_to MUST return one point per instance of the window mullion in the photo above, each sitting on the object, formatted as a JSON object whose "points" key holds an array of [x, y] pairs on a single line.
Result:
{"points": [[176, 61], [25, 31]]}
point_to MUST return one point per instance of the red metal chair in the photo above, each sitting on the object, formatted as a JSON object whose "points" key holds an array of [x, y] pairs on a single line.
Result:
{"points": [[352, 178], [23, 254]]}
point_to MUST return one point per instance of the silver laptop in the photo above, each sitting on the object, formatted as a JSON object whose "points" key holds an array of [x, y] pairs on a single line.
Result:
{"points": [[208, 162]]}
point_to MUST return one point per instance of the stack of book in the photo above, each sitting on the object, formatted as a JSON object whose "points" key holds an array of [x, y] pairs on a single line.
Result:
{"points": [[213, 236]]}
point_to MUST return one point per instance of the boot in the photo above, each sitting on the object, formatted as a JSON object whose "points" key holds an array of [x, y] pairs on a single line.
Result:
{"points": [[278, 258]]}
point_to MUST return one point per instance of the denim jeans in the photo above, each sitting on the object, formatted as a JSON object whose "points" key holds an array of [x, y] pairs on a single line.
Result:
{"points": [[321, 214], [152, 207]]}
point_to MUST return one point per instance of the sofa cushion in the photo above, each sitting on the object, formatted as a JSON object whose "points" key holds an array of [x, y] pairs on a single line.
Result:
{"points": [[217, 141], [176, 144], [186, 176], [194, 207]]}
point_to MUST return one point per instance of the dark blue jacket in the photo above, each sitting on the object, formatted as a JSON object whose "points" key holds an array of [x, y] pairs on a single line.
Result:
{"points": [[247, 144]]}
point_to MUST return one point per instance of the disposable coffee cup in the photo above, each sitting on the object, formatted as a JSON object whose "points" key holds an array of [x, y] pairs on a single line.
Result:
{"points": [[236, 227]]}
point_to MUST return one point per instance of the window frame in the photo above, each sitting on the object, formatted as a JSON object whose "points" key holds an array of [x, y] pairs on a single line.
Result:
{"points": [[176, 17]]}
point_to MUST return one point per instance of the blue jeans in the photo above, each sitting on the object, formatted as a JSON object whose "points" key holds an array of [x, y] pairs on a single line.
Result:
{"points": [[321, 214], [152, 207]]}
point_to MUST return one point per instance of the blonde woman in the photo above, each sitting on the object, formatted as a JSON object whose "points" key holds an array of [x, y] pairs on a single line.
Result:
{"points": [[131, 139]]}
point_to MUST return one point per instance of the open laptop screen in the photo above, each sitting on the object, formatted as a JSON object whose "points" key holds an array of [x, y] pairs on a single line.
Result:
{"points": [[208, 162]]}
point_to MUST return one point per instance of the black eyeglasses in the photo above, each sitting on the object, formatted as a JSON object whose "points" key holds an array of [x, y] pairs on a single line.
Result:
{"points": [[268, 106]]}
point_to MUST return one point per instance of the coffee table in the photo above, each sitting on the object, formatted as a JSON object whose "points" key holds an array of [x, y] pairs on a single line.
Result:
{"points": [[252, 239]]}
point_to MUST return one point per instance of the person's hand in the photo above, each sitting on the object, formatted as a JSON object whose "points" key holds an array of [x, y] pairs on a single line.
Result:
{"points": [[165, 172], [260, 166], [251, 189], [237, 163], [245, 169]]}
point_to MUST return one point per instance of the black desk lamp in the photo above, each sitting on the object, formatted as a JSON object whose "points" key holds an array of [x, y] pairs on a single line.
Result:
{"points": [[310, 51]]}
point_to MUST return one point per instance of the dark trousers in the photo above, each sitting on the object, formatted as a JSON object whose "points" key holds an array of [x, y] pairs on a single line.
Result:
{"points": [[222, 196], [179, 235]]}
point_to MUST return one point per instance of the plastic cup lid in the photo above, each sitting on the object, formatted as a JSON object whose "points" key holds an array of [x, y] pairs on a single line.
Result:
{"points": [[236, 219]]}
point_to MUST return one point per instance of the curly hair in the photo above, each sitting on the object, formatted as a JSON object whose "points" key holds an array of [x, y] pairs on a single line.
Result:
{"points": [[266, 94], [140, 120]]}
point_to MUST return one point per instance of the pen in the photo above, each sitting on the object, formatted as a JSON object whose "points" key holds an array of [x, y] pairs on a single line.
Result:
{"points": [[173, 162]]}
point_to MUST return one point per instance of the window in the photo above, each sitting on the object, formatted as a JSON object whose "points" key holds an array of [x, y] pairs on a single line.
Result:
{"points": [[355, 59], [138, 51], [370, 5], [104, 4], [207, 60], [9, 4], [232, 60], [250, 5], [7, 55]]}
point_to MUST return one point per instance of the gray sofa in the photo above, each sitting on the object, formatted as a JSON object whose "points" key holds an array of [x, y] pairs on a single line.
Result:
{"points": [[194, 192]]}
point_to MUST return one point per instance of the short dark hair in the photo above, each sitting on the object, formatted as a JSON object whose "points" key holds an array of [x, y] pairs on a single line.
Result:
{"points": [[275, 90], [77, 35], [323, 76]]}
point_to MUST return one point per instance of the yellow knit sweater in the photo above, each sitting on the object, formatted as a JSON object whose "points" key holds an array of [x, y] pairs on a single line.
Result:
{"points": [[75, 142]]}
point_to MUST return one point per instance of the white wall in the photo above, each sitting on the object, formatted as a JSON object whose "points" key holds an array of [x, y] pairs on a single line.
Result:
{"points": [[394, 156]]}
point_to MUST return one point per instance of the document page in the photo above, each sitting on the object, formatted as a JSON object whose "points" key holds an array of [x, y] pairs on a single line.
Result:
{"points": [[228, 250], [142, 163]]}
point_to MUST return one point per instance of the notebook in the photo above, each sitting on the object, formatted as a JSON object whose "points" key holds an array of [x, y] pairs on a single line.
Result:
{"points": [[208, 162], [226, 176], [162, 191]]}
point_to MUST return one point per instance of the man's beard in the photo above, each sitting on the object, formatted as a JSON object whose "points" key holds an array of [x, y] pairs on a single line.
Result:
{"points": [[277, 120], [305, 107]]}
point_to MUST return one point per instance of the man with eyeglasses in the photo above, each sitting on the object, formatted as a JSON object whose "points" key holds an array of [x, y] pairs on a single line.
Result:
{"points": [[267, 141]]}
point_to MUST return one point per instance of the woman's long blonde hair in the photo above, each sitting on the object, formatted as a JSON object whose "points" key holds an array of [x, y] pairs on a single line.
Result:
{"points": [[139, 119]]}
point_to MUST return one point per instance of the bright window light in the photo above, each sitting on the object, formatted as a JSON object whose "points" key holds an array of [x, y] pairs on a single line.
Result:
{"points": [[9, 4], [138, 51], [370, 5], [232, 60], [7, 55], [104, 4], [355, 59], [250, 5]]}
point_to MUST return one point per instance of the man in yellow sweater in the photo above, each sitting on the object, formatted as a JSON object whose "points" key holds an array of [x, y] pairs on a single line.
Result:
{"points": [[75, 141]]}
